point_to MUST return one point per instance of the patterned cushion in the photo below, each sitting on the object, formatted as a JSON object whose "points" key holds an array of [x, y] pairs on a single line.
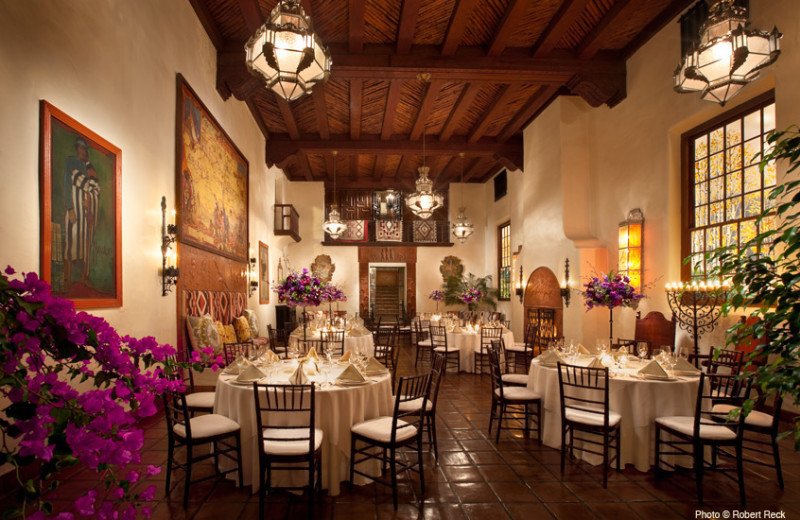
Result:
{"points": [[207, 335], [242, 328], [250, 315], [191, 323], [230, 334]]}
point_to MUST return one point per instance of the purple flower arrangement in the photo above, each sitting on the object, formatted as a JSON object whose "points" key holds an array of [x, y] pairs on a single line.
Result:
{"points": [[436, 295], [331, 293], [300, 289], [610, 290], [47, 349], [471, 296]]}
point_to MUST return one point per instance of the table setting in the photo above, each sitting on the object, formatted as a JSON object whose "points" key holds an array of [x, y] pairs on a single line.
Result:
{"points": [[467, 337]]}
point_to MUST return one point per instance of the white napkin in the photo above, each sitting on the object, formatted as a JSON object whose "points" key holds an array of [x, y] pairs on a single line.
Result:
{"points": [[549, 357], [582, 350], [235, 367], [250, 373], [684, 367], [351, 375], [345, 358], [456, 330], [358, 330], [653, 369], [596, 363], [299, 376], [311, 355], [374, 367], [270, 357]]}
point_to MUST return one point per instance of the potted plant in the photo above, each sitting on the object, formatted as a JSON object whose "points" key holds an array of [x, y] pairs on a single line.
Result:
{"points": [[471, 290]]}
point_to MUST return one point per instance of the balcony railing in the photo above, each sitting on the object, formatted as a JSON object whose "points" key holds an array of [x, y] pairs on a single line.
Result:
{"points": [[394, 233]]}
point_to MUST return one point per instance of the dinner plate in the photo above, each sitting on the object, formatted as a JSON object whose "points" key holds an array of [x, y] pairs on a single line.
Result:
{"points": [[351, 383], [656, 378], [246, 383], [687, 373]]}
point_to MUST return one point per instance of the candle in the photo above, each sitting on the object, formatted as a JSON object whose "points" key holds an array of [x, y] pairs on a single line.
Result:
{"points": [[173, 217]]}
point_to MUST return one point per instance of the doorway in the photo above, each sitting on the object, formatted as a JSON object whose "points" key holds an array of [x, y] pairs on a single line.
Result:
{"points": [[387, 290]]}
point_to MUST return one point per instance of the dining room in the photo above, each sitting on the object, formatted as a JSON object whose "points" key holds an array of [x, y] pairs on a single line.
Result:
{"points": [[392, 265]]}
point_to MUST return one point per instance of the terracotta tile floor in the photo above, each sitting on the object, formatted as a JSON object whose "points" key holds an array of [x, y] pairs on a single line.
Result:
{"points": [[476, 478]]}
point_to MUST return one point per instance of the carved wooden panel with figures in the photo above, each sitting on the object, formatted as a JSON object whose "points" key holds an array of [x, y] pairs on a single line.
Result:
{"points": [[353, 204]]}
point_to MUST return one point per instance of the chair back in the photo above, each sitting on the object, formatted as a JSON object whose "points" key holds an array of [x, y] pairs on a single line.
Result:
{"points": [[504, 361], [438, 336], [718, 389], [584, 389], [177, 413], [278, 338], [410, 389], [725, 362], [385, 341], [437, 371], [422, 329], [305, 345], [655, 329], [234, 350], [335, 338], [490, 334], [495, 354], [287, 408], [180, 373]]}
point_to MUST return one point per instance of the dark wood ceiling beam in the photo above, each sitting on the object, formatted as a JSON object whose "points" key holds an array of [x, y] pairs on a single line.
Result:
{"points": [[514, 13], [449, 172], [304, 166], [457, 26], [257, 117], [251, 12], [669, 13], [321, 110], [569, 12], [356, 26], [408, 23], [500, 101], [460, 109], [432, 90], [592, 42], [288, 117], [208, 23], [478, 166], [402, 166], [537, 101], [390, 109], [355, 108], [380, 167]]}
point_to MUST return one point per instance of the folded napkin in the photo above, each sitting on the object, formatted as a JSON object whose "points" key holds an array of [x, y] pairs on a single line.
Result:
{"points": [[375, 367], [596, 363], [270, 357], [582, 350], [549, 357], [358, 330], [299, 376], [457, 330], [684, 367], [250, 373], [312, 354], [350, 375], [235, 367], [345, 358], [653, 369]]}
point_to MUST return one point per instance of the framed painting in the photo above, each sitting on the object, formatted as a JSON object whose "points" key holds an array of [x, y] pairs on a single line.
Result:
{"points": [[80, 203], [212, 177], [263, 272]]}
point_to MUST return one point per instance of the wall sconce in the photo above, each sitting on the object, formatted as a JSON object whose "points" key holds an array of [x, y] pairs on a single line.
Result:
{"points": [[520, 290], [252, 274], [631, 236], [169, 258], [565, 288], [519, 286]]}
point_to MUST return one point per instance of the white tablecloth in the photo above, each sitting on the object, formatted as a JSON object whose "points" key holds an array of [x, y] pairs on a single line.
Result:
{"points": [[350, 342], [469, 343], [337, 409], [638, 401]]}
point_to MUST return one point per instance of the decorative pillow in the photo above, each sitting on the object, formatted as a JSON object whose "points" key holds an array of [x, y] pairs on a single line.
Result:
{"points": [[230, 334], [206, 334], [191, 323], [250, 315], [242, 328]]}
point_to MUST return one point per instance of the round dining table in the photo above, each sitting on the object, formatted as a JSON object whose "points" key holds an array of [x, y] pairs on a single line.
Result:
{"points": [[364, 343], [337, 408], [470, 342], [639, 401]]}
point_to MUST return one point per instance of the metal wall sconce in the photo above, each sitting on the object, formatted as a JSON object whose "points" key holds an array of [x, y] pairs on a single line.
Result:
{"points": [[252, 274], [631, 241], [520, 285], [565, 289], [520, 290], [169, 259]]}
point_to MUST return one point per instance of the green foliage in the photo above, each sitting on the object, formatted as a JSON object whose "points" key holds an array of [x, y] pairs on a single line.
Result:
{"points": [[455, 286], [765, 281]]}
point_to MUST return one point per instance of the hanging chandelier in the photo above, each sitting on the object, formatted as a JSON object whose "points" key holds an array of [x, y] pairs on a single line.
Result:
{"points": [[334, 225], [728, 55], [462, 227], [287, 54], [423, 202]]}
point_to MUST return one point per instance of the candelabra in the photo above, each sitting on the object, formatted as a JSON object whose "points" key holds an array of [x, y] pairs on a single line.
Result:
{"points": [[696, 307], [169, 273]]}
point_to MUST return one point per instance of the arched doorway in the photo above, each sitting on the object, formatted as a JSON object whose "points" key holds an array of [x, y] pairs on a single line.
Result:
{"points": [[543, 303]]}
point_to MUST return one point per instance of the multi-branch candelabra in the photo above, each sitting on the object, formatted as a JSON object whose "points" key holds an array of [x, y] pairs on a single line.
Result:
{"points": [[169, 273], [696, 307]]}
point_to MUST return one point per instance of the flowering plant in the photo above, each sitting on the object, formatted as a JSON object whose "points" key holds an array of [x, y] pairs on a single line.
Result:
{"points": [[610, 290], [471, 295], [471, 290], [300, 289], [47, 350], [437, 296], [331, 293]]}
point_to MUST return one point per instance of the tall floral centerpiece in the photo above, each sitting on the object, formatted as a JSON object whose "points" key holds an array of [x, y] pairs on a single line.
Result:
{"points": [[48, 425], [300, 290], [610, 290], [471, 296], [437, 296], [330, 294]]}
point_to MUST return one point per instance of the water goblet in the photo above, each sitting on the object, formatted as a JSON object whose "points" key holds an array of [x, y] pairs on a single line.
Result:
{"points": [[641, 350]]}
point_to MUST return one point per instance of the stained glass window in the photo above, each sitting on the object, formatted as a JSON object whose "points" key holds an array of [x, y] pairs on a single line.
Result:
{"points": [[727, 190], [504, 260]]}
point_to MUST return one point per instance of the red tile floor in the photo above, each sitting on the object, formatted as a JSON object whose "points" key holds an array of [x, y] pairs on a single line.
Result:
{"points": [[476, 478]]}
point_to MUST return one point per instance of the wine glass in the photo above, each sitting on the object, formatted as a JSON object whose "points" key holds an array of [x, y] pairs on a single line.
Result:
{"points": [[641, 350]]}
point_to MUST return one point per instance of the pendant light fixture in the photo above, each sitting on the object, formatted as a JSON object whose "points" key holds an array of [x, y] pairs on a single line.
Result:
{"points": [[728, 54], [462, 227], [287, 54], [334, 225], [423, 202]]}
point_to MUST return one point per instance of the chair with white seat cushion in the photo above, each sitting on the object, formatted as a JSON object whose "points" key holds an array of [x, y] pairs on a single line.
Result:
{"points": [[287, 437], [509, 378], [422, 340], [390, 433], [524, 352], [439, 344], [715, 429], [481, 354], [189, 432], [195, 401], [429, 425], [512, 402], [583, 395]]}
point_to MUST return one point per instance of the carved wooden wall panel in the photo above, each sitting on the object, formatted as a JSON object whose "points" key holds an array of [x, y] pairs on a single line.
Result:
{"points": [[406, 255], [544, 292], [201, 270], [353, 204]]}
